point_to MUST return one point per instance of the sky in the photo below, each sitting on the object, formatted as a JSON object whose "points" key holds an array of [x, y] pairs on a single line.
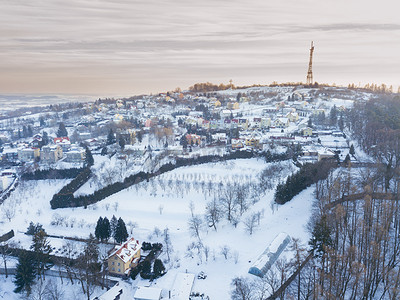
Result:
{"points": [[129, 47]]}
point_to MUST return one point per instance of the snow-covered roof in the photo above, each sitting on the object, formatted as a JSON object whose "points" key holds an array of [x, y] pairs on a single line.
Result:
{"points": [[127, 250], [182, 286], [111, 294], [147, 293], [265, 261]]}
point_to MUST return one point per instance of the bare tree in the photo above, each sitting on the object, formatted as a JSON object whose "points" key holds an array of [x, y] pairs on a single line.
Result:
{"points": [[241, 192], [195, 224], [88, 267], [213, 213], [227, 200], [38, 291], [5, 251], [8, 208], [242, 289], [167, 243], [225, 250], [251, 223], [53, 291], [206, 250]]}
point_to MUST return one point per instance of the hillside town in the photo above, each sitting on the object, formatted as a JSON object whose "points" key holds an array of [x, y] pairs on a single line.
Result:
{"points": [[83, 163], [179, 124]]}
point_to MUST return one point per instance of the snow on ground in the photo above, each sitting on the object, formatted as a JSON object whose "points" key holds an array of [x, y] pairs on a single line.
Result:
{"points": [[108, 170], [164, 203], [67, 290]]}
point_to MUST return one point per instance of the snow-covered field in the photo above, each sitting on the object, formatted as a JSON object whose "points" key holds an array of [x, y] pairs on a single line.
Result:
{"points": [[165, 202]]}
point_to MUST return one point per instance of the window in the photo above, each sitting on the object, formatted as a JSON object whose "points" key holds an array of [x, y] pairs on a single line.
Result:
{"points": [[113, 269], [113, 263], [119, 270], [119, 264]]}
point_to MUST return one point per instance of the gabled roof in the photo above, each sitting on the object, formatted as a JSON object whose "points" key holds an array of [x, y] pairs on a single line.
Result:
{"points": [[63, 139], [127, 250]]}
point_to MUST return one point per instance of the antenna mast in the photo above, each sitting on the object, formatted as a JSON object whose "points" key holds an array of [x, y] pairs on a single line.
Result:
{"points": [[309, 73]]}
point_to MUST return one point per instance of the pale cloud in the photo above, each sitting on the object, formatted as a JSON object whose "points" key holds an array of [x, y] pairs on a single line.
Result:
{"points": [[121, 47]]}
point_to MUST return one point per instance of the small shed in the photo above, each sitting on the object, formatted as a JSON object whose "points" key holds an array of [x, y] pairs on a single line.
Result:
{"points": [[265, 261], [147, 293], [182, 286], [112, 294]]}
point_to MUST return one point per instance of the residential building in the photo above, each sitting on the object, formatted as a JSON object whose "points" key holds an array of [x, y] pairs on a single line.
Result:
{"points": [[281, 122], [124, 257], [28, 154], [193, 139], [307, 131], [51, 154], [293, 117], [75, 155], [64, 142], [237, 144], [253, 143]]}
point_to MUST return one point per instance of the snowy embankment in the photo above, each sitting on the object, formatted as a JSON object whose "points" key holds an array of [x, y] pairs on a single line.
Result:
{"points": [[166, 201]]}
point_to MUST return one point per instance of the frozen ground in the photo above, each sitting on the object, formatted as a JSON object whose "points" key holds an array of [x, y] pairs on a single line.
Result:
{"points": [[164, 203]]}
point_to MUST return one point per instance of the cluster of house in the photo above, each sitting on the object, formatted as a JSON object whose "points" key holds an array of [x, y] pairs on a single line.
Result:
{"points": [[59, 148]]}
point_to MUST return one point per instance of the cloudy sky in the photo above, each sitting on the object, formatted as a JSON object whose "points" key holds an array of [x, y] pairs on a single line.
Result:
{"points": [[124, 47]]}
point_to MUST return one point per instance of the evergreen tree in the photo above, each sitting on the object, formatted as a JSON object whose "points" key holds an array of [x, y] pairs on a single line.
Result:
{"points": [[45, 138], [24, 131], [184, 142], [62, 131], [88, 157], [25, 273], [42, 122], [146, 268], [41, 250], [99, 228], [121, 234], [333, 115], [103, 151], [309, 124], [106, 229], [29, 131], [158, 268], [139, 136], [347, 159], [352, 151], [110, 137], [122, 143], [34, 228], [341, 122], [102, 231], [113, 225], [321, 237]]}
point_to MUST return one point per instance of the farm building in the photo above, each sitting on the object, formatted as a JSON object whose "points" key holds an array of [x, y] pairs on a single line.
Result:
{"points": [[265, 261]]}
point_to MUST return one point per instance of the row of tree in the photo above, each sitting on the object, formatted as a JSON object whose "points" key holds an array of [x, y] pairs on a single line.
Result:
{"points": [[303, 178], [115, 228]]}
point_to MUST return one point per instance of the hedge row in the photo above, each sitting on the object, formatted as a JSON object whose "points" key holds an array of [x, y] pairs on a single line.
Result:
{"points": [[302, 179], [67, 199], [66, 194], [52, 174]]}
